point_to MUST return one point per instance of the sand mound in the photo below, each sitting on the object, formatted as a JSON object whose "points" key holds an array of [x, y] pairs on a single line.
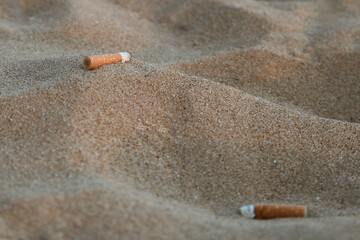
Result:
{"points": [[203, 24], [325, 85], [224, 103], [28, 12]]}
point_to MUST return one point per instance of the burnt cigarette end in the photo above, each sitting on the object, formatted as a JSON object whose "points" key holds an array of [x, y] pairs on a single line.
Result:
{"points": [[269, 211], [92, 62], [86, 62]]}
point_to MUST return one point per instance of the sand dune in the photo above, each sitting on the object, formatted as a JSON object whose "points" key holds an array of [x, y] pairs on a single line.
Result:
{"points": [[224, 103], [311, 86]]}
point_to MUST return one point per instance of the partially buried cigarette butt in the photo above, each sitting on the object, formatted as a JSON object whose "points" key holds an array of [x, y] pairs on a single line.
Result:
{"points": [[268, 211], [91, 62]]}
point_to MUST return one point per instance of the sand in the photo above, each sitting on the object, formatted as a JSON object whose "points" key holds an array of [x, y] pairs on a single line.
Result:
{"points": [[224, 103]]}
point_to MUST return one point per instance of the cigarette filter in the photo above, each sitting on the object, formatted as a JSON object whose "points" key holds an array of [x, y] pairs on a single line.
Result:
{"points": [[91, 62], [268, 211]]}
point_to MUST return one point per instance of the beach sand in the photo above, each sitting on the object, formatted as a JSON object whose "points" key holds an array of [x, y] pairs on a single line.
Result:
{"points": [[224, 103]]}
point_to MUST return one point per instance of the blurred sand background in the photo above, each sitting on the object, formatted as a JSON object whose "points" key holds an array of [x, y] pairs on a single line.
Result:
{"points": [[224, 103]]}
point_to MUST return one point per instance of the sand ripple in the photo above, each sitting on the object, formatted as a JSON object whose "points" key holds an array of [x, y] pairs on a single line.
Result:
{"points": [[224, 103]]}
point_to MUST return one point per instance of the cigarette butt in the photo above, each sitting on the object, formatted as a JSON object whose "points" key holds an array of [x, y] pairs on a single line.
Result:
{"points": [[268, 211], [91, 62]]}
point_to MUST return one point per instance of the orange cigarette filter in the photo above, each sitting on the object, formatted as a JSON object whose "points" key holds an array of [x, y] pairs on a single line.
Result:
{"points": [[269, 211], [91, 62]]}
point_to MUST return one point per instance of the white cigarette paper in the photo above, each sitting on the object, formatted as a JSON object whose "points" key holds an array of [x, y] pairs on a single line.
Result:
{"points": [[248, 211]]}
